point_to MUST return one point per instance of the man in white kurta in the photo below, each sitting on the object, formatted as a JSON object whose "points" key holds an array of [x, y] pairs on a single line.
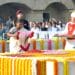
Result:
{"points": [[15, 43], [69, 33]]}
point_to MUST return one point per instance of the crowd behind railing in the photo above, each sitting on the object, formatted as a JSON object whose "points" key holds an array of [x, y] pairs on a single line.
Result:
{"points": [[49, 26], [52, 25]]}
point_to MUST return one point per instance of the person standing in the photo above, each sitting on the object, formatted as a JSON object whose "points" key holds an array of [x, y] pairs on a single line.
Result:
{"points": [[20, 15], [2, 31], [69, 33], [19, 43]]}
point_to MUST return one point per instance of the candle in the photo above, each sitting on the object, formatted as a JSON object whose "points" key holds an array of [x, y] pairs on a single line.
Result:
{"points": [[71, 65], [51, 67], [34, 43], [38, 44], [3, 43], [2, 66], [29, 68], [38, 68], [64, 42], [41, 44], [41, 67], [49, 44], [66, 71], [23, 67], [16, 67], [20, 67], [56, 42], [10, 66], [5, 66], [47, 67]]}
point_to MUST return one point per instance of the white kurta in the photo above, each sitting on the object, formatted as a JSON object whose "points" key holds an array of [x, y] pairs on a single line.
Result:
{"points": [[14, 45], [70, 44]]}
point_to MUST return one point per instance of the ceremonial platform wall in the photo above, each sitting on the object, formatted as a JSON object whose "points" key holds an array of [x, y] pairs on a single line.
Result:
{"points": [[34, 9]]}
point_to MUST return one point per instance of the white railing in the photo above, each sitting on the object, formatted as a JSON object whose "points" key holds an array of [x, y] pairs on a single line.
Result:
{"points": [[44, 34]]}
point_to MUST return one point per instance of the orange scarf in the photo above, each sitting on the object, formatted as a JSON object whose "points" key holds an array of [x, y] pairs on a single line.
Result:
{"points": [[71, 28]]}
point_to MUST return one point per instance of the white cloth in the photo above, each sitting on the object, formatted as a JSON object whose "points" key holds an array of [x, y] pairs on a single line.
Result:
{"points": [[70, 44], [14, 45]]}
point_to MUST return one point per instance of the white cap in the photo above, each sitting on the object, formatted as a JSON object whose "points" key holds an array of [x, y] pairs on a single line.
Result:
{"points": [[73, 14]]}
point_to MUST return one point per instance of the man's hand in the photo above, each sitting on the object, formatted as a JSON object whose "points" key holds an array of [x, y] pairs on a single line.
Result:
{"points": [[56, 35], [64, 35], [12, 35], [71, 36]]}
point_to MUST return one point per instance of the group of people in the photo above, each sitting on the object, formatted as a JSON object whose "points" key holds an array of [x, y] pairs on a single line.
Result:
{"points": [[19, 41], [67, 30], [19, 34], [69, 33], [51, 26], [8, 24]]}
